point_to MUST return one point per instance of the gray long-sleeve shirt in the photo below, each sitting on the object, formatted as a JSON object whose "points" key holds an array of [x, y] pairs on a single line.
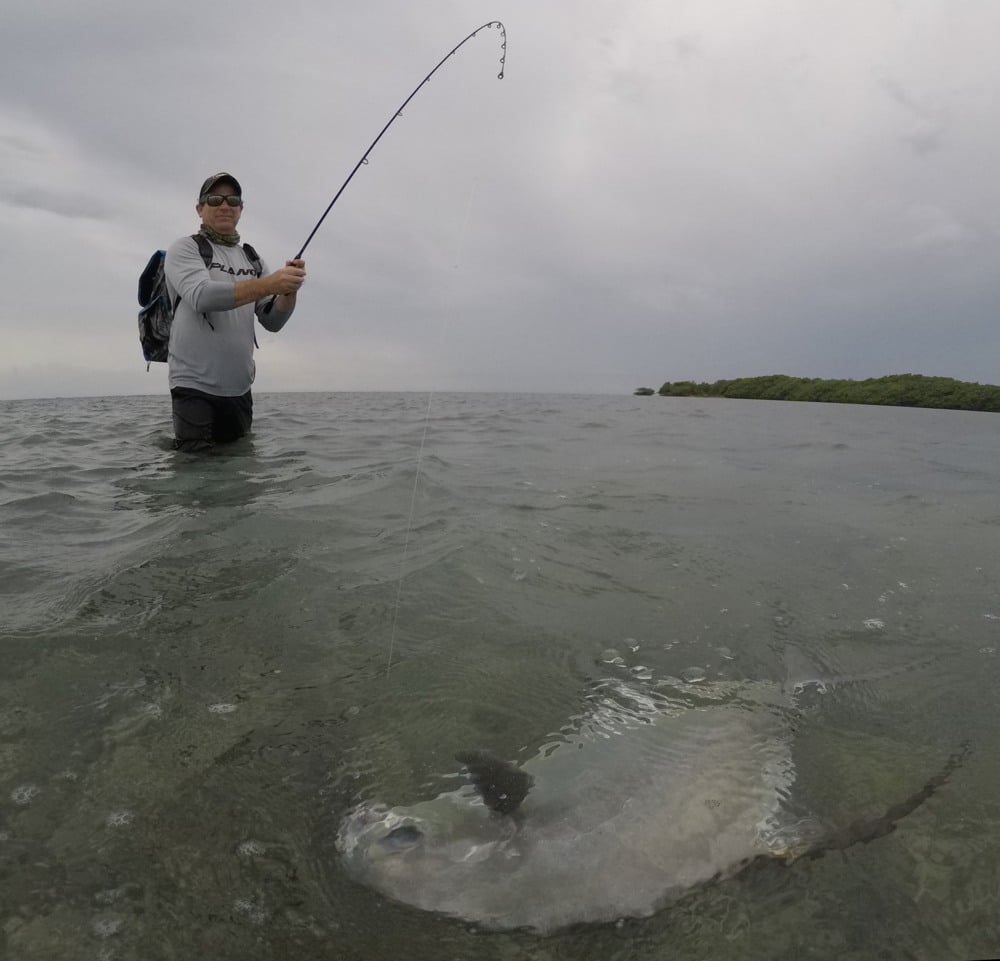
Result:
{"points": [[214, 355]]}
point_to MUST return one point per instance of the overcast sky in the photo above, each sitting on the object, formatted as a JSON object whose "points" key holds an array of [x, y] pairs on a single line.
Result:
{"points": [[658, 190]]}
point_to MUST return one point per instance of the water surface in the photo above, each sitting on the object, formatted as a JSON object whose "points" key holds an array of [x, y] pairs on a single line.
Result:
{"points": [[209, 660]]}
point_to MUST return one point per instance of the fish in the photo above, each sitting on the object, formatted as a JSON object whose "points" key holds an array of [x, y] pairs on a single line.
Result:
{"points": [[643, 797]]}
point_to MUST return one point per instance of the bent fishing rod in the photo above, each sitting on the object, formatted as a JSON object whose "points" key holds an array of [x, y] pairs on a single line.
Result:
{"points": [[398, 113]]}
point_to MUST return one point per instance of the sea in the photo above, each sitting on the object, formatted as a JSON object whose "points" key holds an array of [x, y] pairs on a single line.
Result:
{"points": [[208, 661]]}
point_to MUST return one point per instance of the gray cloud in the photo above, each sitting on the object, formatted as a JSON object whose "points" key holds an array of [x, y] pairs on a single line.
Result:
{"points": [[62, 205], [928, 123], [695, 190]]}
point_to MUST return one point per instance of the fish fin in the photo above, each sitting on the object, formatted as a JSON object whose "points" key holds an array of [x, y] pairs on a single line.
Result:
{"points": [[501, 784], [869, 829]]}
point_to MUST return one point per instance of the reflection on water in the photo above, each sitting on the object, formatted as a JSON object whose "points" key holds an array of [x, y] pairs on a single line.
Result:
{"points": [[197, 684]]}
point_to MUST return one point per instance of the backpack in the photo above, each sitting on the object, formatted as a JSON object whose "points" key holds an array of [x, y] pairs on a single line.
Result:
{"points": [[157, 313]]}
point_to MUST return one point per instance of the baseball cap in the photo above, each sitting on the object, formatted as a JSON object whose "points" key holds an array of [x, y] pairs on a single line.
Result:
{"points": [[207, 186]]}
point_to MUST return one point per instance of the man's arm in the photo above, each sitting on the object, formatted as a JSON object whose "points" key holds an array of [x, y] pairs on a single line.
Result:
{"points": [[274, 314], [283, 282], [189, 277]]}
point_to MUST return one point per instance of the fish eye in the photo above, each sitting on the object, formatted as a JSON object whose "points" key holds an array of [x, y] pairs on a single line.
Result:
{"points": [[403, 837]]}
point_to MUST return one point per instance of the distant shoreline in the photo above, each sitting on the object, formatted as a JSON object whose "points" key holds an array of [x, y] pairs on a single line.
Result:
{"points": [[895, 390]]}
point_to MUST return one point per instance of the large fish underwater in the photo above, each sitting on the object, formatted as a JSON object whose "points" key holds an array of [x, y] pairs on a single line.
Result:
{"points": [[645, 796]]}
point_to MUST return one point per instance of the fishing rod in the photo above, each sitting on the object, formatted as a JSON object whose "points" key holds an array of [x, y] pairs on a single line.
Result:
{"points": [[395, 117], [399, 113]]}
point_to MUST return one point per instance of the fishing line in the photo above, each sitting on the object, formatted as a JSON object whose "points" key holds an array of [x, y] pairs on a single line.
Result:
{"points": [[312, 233], [364, 160], [395, 117], [420, 459]]}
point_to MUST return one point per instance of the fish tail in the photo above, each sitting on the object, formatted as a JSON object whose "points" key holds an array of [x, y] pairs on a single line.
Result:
{"points": [[865, 830]]}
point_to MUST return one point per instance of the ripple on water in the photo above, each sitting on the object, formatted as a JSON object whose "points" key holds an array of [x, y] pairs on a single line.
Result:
{"points": [[693, 675], [111, 896], [250, 909], [107, 925], [24, 794], [223, 707], [119, 819], [250, 848]]}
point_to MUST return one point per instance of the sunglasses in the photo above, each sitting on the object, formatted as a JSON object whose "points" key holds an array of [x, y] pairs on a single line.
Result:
{"points": [[217, 200]]}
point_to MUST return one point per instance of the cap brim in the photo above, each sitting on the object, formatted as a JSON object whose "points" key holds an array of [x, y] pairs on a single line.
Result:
{"points": [[216, 179]]}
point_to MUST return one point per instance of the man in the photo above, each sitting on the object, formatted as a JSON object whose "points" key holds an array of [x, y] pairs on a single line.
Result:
{"points": [[210, 359]]}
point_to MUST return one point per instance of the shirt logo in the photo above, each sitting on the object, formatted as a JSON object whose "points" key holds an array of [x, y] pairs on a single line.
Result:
{"points": [[226, 269]]}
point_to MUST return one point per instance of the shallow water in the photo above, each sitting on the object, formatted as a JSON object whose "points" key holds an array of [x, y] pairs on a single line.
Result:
{"points": [[209, 661]]}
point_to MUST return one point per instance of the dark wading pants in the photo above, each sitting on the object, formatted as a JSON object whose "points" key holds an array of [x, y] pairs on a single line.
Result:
{"points": [[202, 420]]}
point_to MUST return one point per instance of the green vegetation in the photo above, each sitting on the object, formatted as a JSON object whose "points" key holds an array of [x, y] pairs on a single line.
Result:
{"points": [[897, 390]]}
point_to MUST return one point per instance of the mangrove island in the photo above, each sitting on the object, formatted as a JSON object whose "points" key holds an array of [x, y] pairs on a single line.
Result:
{"points": [[896, 390]]}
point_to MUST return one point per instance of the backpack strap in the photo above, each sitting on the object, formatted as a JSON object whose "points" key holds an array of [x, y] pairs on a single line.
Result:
{"points": [[258, 268], [254, 259], [204, 248]]}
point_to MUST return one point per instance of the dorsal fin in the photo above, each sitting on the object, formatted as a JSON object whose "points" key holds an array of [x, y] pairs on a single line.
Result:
{"points": [[501, 784]]}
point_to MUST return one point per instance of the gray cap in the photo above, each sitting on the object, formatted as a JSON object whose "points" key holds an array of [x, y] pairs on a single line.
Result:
{"points": [[217, 178]]}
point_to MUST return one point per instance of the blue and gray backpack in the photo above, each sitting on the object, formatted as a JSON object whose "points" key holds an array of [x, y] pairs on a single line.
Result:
{"points": [[157, 312]]}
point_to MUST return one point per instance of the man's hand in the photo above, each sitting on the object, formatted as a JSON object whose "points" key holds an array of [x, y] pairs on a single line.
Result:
{"points": [[288, 279], [284, 284]]}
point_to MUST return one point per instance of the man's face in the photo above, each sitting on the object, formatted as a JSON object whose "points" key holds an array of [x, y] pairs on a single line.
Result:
{"points": [[222, 218]]}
